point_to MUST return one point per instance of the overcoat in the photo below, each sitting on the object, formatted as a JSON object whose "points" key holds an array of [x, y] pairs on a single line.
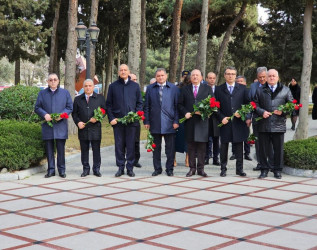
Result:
{"points": [[161, 116], [48, 102], [235, 130], [83, 111], [314, 99], [196, 130]]}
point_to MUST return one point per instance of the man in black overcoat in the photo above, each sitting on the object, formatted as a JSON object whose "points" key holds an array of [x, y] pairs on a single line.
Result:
{"points": [[231, 96], [83, 111], [196, 130]]}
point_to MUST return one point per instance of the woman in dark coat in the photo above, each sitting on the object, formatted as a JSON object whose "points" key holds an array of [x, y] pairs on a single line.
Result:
{"points": [[295, 89], [314, 99]]}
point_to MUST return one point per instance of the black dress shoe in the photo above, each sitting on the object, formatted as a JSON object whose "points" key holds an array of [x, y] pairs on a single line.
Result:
{"points": [[98, 174], [137, 165], [257, 168], [216, 162], [247, 157], [190, 173], [169, 173], [223, 173], [241, 173], [277, 175], [48, 175], [207, 162], [62, 175], [85, 173], [130, 173], [119, 173], [202, 173], [156, 172], [263, 174], [233, 157]]}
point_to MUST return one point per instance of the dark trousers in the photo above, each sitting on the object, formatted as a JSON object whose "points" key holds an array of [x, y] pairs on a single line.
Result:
{"points": [[137, 144], [238, 153], [257, 146], [246, 147], [95, 146], [60, 149], [212, 146], [267, 140], [169, 151], [124, 137], [196, 149]]}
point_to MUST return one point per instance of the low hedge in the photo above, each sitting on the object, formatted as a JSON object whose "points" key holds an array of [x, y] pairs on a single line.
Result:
{"points": [[301, 154], [21, 144]]}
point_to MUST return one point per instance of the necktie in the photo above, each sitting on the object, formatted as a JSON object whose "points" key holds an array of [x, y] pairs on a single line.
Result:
{"points": [[161, 92], [195, 91], [272, 88], [230, 89], [88, 99]]}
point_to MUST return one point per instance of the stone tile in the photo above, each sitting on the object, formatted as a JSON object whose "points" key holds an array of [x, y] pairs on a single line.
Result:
{"points": [[247, 246], [93, 220], [142, 246], [295, 208], [300, 188], [268, 218], [89, 240], [308, 226], [249, 201], [21, 204], [168, 190], [136, 211], [10, 185], [138, 229], [311, 200], [4, 197], [54, 211], [232, 228], [30, 191], [14, 220], [218, 210], [278, 194], [237, 189], [265, 183], [99, 190], [186, 240], [206, 183], [173, 202], [7, 242], [35, 247], [289, 239], [61, 197], [97, 203], [43, 231], [135, 184], [69, 185], [207, 195], [135, 196], [181, 219], [311, 182], [229, 178], [164, 179], [104, 180]]}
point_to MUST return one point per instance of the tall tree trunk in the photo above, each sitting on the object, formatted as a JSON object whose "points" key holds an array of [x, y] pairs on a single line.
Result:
{"points": [[70, 61], [93, 19], [17, 72], [109, 61], [302, 129], [54, 39], [134, 37], [202, 45], [226, 38], [175, 40], [118, 59], [143, 45], [183, 53]]}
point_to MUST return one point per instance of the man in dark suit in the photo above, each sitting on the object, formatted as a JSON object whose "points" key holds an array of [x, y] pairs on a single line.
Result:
{"points": [[196, 130], [54, 100], [161, 117], [124, 96], [213, 142], [231, 96], [83, 111], [273, 127]]}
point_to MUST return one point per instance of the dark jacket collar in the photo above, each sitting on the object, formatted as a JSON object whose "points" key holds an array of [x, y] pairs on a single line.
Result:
{"points": [[122, 81], [266, 88], [168, 84], [83, 95]]}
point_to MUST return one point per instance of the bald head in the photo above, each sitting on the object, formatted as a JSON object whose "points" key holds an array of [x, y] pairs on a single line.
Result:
{"points": [[124, 71], [133, 77], [272, 77], [196, 76], [211, 79]]}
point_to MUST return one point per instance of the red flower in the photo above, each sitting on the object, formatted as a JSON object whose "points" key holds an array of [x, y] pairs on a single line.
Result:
{"points": [[296, 107], [300, 105], [253, 105], [153, 145], [218, 105], [142, 118], [64, 115], [294, 101], [140, 113], [103, 111], [149, 150]]}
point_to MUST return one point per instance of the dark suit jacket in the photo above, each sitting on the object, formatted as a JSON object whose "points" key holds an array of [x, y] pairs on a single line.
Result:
{"points": [[196, 130], [235, 130], [83, 111]]}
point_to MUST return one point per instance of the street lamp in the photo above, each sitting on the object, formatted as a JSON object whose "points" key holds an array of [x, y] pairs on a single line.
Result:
{"points": [[85, 36]]}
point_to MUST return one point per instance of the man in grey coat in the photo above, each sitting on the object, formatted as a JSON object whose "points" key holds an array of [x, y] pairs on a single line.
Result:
{"points": [[54, 100]]}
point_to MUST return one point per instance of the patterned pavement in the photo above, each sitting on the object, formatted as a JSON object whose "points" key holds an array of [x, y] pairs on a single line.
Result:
{"points": [[160, 212]]}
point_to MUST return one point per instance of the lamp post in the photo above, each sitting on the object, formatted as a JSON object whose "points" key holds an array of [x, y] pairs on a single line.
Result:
{"points": [[85, 36]]}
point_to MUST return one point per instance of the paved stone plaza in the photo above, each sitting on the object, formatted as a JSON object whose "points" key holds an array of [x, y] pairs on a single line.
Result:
{"points": [[160, 212]]}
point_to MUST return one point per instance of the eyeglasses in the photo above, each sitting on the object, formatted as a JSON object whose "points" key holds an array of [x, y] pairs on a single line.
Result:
{"points": [[230, 74], [53, 80]]}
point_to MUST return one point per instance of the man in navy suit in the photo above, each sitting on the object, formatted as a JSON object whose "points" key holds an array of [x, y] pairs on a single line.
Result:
{"points": [[231, 96], [161, 117]]}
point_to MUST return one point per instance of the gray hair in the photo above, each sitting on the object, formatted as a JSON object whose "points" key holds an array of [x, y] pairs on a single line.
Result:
{"points": [[52, 74], [160, 69], [261, 69], [88, 80], [238, 77], [231, 68]]}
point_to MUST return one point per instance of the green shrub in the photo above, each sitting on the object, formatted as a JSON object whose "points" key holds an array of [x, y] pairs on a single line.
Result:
{"points": [[301, 154], [21, 144], [18, 103]]}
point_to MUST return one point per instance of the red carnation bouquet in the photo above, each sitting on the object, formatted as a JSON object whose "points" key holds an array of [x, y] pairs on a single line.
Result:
{"points": [[132, 117], [150, 145], [252, 139], [56, 117], [245, 109], [99, 114], [206, 107]]}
